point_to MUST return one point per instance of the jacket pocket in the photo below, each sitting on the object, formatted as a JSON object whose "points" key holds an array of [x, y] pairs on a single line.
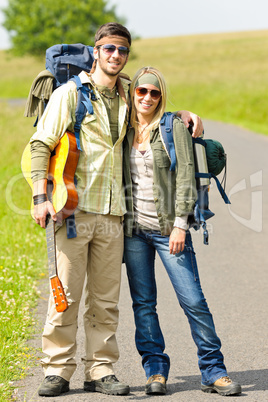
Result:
{"points": [[160, 156]]}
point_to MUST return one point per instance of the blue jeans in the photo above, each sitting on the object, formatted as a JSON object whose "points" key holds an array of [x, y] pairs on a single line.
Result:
{"points": [[139, 255]]}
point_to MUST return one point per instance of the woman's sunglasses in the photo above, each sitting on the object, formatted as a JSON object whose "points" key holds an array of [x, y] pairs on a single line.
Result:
{"points": [[110, 49], [141, 92]]}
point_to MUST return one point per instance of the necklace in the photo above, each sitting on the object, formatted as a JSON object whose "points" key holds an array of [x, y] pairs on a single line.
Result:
{"points": [[139, 138]]}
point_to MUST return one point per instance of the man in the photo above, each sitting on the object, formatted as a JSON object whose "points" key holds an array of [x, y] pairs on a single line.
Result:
{"points": [[96, 251]]}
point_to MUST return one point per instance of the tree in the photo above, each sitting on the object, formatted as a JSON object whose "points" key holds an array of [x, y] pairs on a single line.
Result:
{"points": [[35, 25]]}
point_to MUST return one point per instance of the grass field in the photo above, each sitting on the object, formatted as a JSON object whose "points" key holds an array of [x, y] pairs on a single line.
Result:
{"points": [[22, 255], [221, 77]]}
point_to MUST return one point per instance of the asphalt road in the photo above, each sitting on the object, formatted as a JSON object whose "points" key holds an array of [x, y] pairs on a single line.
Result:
{"points": [[234, 276]]}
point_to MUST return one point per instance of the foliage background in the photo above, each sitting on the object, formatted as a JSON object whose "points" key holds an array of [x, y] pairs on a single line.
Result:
{"points": [[36, 25]]}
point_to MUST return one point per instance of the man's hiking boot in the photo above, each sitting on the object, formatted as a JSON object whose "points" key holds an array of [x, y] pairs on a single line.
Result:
{"points": [[224, 386], [53, 385], [156, 385], [107, 385]]}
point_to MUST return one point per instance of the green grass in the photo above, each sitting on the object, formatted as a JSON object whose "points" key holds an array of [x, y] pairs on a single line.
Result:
{"points": [[220, 77], [22, 255], [17, 74]]}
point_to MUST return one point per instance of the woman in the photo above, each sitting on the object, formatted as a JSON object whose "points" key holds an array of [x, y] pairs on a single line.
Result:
{"points": [[158, 203]]}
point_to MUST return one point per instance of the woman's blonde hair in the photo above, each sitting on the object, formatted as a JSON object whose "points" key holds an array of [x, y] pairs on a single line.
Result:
{"points": [[161, 107]]}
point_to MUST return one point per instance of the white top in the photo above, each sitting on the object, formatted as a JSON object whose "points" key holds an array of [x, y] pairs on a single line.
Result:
{"points": [[141, 168]]}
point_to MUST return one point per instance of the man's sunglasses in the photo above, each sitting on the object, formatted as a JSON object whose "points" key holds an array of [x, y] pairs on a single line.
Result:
{"points": [[141, 92], [110, 49]]}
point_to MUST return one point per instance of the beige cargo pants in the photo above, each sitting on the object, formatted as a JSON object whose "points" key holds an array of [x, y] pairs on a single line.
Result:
{"points": [[95, 255]]}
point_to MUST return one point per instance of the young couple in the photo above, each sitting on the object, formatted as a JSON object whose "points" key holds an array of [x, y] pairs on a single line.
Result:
{"points": [[150, 225]]}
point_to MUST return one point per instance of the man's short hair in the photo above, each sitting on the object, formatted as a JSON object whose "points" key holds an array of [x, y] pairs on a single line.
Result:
{"points": [[112, 28]]}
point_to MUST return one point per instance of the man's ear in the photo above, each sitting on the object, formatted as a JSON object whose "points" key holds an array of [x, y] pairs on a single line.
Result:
{"points": [[96, 53]]}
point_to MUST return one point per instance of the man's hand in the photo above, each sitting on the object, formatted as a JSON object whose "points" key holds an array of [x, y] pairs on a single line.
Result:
{"points": [[41, 211], [191, 118], [177, 240]]}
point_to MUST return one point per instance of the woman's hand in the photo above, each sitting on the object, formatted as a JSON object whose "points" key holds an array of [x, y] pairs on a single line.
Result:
{"points": [[191, 118], [177, 240]]}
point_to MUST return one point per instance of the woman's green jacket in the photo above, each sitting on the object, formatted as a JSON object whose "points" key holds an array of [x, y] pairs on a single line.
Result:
{"points": [[174, 192]]}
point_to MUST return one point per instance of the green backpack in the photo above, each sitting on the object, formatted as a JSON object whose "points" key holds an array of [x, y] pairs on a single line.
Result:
{"points": [[215, 160]]}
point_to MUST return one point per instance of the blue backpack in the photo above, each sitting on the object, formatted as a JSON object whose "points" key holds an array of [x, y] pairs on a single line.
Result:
{"points": [[201, 211], [64, 62]]}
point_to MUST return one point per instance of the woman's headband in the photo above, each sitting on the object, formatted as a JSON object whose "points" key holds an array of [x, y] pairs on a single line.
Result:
{"points": [[148, 78]]}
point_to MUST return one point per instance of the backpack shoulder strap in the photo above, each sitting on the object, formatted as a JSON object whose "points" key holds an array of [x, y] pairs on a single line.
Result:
{"points": [[166, 130], [219, 186], [83, 106], [210, 175]]}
